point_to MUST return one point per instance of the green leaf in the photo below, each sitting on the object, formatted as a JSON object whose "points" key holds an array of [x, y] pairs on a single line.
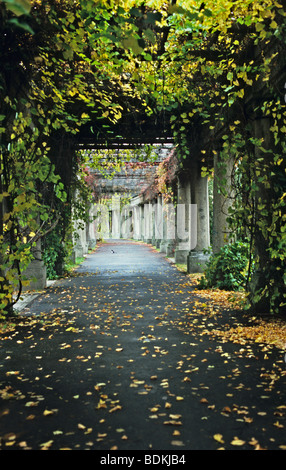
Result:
{"points": [[132, 43], [207, 12], [18, 7], [19, 24]]}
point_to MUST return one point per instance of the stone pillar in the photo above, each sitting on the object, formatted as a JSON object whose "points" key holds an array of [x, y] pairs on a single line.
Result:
{"points": [[153, 221], [183, 221], [197, 258], [127, 222], [171, 231], [222, 201], [147, 222], [36, 271], [91, 233], [137, 222], [141, 221], [80, 246], [164, 228], [116, 217], [158, 222], [98, 228], [168, 229]]}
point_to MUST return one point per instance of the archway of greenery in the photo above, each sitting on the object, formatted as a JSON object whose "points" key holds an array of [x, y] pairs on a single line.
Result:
{"points": [[211, 74]]}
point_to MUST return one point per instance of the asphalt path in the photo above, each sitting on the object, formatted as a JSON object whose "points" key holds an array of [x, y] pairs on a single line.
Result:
{"points": [[119, 357]]}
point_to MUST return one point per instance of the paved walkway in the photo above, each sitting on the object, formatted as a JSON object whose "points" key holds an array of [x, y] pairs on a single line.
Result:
{"points": [[119, 359]]}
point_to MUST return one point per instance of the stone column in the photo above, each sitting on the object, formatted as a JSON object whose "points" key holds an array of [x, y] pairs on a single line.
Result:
{"points": [[183, 221], [101, 221], [222, 201], [141, 221], [137, 222], [36, 271], [153, 221], [147, 222], [116, 217], [91, 233], [127, 221], [168, 228], [197, 258], [81, 246], [164, 228], [158, 222], [170, 217]]}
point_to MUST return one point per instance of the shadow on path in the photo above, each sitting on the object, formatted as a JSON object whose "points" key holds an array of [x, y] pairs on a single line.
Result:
{"points": [[119, 357]]}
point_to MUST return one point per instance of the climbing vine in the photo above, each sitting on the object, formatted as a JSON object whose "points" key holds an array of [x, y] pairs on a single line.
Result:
{"points": [[164, 180]]}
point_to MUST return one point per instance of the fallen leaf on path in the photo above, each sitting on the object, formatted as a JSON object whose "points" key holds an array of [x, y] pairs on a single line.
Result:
{"points": [[115, 408], [46, 445], [177, 443], [204, 400], [219, 438], [48, 412], [173, 422], [237, 442], [278, 425]]}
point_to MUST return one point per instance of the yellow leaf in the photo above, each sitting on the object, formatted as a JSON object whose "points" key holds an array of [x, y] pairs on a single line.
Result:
{"points": [[115, 408], [237, 442], [48, 412], [278, 425], [154, 409], [203, 400], [10, 443], [177, 443], [219, 438], [46, 445], [101, 404], [173, 422]]}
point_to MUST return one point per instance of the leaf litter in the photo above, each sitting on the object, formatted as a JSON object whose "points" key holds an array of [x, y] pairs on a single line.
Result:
{"points": [[199, 314]]}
